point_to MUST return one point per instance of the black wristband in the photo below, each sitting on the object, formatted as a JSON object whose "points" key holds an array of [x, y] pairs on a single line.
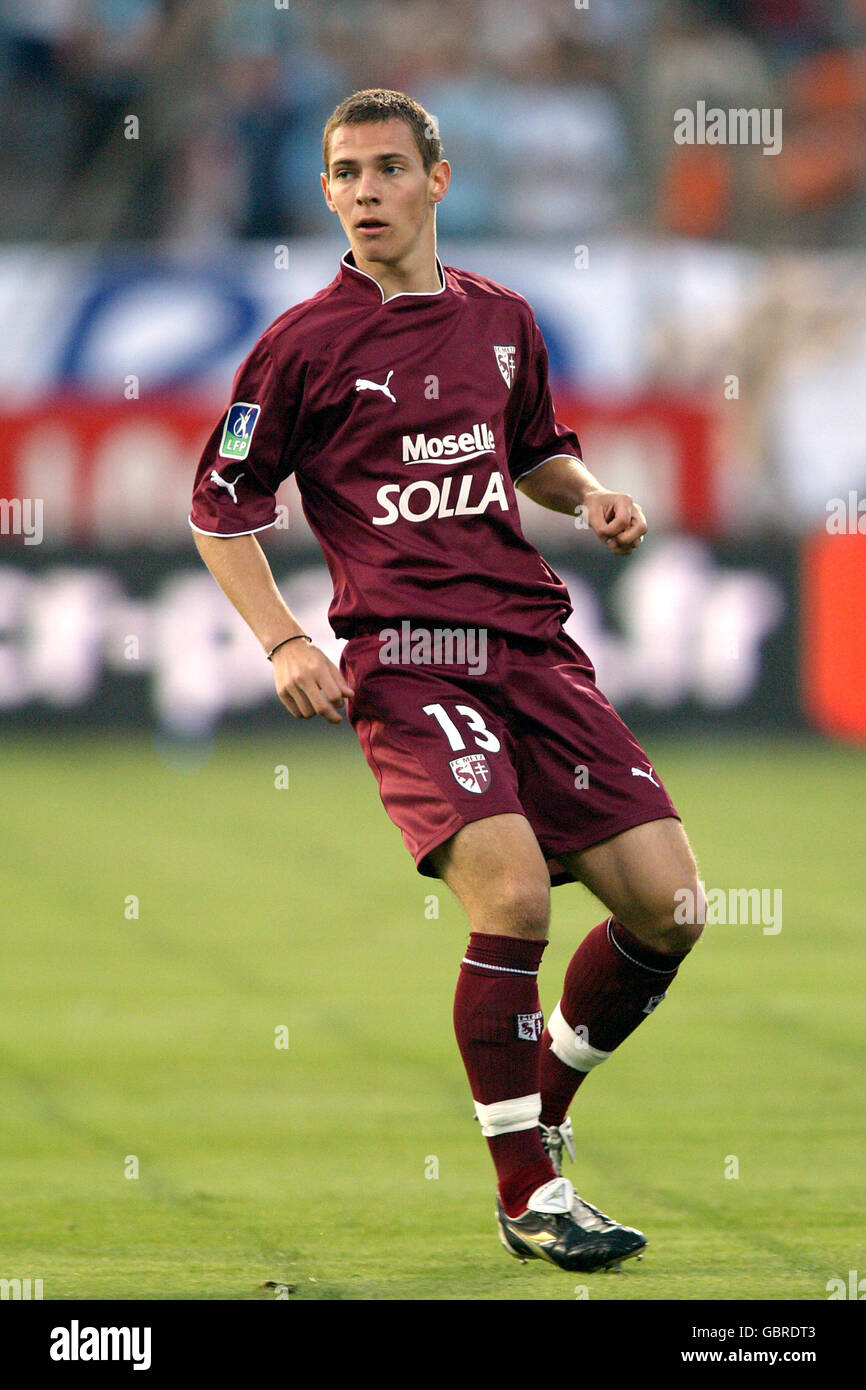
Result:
{"points": [[288, 639]]}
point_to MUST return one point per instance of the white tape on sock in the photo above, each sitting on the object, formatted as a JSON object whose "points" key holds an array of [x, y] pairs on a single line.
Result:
{"points": [[508, 1116], [568, 1045]]}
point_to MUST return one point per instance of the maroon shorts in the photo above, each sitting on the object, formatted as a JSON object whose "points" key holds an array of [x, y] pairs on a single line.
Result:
{"points": [[530, 735]]}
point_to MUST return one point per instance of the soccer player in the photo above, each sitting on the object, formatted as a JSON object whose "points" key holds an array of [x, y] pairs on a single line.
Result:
{"points": [[410, 400]]}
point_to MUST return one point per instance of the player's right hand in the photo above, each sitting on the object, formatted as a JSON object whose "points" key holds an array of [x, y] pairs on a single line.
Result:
{"points": [[308, 683]]}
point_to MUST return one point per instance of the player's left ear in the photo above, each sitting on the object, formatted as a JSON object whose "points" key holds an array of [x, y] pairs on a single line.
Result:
{"points": [[440, 178]]}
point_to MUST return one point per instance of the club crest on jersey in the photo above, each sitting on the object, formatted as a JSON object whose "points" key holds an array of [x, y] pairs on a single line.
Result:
{"points": [[471, 772], [506, 361], [240, 422]]}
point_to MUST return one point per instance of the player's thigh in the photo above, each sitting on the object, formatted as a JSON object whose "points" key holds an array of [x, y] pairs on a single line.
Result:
{"points": [[648, 878], [496, 868]]}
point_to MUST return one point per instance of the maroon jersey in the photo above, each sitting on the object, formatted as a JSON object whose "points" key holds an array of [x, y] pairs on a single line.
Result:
{"points": [[406, 423]]}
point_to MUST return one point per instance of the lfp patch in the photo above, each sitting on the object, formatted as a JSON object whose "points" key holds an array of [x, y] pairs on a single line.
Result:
{"points": [[238, 430]]}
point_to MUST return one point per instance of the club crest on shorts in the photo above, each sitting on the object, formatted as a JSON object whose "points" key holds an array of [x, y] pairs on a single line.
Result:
{"points": [[506, 361], [529, 1027], [471, 772]]}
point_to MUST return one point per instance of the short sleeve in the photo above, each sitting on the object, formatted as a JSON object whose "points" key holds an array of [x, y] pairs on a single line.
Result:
{"points": [[247, 456], [538, 436]]}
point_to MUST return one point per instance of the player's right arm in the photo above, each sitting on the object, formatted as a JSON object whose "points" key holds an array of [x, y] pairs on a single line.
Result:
{"points": [[306, 681]]}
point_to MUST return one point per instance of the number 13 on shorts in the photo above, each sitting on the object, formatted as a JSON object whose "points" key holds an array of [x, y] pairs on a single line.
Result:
{"points": [[482, 737]]}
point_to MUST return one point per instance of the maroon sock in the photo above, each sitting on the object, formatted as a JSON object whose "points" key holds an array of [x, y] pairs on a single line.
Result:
{"points": [[498, 1022], [612, 984]]}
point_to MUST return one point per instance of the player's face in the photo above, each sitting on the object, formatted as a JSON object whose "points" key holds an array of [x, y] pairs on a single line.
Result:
{"points": [[377, 186]]}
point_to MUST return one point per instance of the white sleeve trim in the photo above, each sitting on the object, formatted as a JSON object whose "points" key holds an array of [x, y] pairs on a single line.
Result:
{"points": [[526, 472], [227, 535]]}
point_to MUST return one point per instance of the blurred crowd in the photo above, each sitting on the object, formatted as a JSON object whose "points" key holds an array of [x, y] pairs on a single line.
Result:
{"points": [[558, 115]]}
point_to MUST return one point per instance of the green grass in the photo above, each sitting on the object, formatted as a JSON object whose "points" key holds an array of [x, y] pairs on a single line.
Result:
{"points": [[260, 908]]}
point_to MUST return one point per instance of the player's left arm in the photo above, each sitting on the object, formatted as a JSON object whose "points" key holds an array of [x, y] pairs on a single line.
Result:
{"points": [[564, 484]]}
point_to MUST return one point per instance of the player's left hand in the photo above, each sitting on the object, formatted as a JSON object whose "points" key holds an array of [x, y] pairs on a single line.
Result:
{"points": [[617, 520]]}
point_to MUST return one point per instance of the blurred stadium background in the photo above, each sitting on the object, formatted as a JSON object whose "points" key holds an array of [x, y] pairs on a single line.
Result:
{"points": [[704, 307]]}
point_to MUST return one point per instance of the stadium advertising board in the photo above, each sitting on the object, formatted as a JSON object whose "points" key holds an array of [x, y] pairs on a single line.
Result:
{"points": [[114, 473], [687, 632]]}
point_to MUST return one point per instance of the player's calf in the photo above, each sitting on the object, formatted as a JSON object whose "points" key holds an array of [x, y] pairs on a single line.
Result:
{"points": [[614, 982]]}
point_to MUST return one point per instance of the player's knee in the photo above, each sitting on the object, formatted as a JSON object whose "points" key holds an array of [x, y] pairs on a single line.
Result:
{"points": [[516, 907], [685, 914], [671, 918]]}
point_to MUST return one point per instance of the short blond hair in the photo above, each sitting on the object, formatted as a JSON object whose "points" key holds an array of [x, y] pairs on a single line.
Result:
{"points": [[379, 104]]}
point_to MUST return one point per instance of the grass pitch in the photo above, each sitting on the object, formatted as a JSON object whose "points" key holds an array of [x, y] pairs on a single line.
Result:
{"points": [[228, 1056]]}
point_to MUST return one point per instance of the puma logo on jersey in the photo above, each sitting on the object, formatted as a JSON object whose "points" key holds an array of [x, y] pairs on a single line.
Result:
{"points": [[639, 772], [362, 384], [224, 482]]}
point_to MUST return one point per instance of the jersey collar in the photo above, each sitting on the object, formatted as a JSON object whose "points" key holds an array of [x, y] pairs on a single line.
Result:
{"points": [[350, 274]]}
